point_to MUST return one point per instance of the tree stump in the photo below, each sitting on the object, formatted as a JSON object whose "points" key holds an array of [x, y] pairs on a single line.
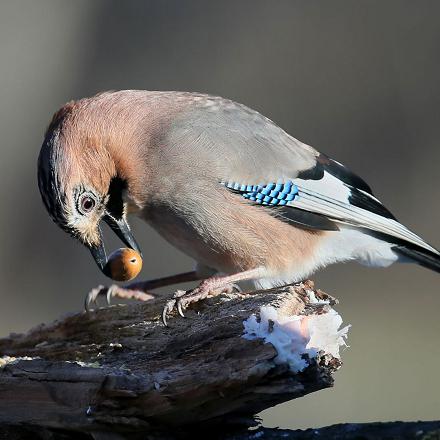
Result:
{"points": [[119, 370]]}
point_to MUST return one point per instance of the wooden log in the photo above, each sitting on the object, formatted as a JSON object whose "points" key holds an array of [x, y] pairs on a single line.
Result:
{"points": [[120, 370], [349, 431]]}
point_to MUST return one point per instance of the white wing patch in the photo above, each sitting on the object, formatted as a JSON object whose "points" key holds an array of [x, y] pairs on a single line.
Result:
{"points": [[330, 198], [329, 186]]}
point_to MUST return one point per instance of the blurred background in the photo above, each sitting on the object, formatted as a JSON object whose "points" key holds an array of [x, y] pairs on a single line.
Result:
{"points": [[359, 80]]}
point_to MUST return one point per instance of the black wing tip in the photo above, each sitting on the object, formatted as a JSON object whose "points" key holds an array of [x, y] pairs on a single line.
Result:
{"points": [[361, 194], [365, 201], [421, 256], [343, 173]]}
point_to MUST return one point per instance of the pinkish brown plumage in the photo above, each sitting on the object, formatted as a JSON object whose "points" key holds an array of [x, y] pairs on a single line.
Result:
{"points": [[220, 182]]}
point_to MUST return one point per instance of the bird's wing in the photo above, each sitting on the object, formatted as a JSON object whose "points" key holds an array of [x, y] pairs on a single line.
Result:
{"points": [[253, 157], [331, 203]]}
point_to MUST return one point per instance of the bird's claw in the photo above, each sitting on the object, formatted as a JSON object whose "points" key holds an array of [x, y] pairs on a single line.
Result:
{"points": [[174, 302], [179, 309], [182, 299], [235, 288], [169, 306], [92, 297], [108, 297]]}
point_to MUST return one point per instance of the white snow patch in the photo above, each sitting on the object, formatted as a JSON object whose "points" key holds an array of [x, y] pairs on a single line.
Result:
{"points": [[5, 360], [86, 364], [294, 336], [314, 300]]}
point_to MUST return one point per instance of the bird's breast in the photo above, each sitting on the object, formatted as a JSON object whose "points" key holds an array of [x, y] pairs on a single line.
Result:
{"points": [[229, 234]]}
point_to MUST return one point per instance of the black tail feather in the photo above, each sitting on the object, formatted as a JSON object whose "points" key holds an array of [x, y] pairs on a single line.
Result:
{"points": [[421, 256]]}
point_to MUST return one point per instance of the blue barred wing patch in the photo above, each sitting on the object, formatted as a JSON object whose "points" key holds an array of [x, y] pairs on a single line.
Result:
{"points": [[271, 194]]}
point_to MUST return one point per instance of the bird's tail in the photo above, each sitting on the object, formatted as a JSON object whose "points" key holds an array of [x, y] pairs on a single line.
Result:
{"points": [[419, 255], [366, 212]]}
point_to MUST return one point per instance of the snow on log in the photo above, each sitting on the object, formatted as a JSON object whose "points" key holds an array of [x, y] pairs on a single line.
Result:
{"points": [[119, 370]]}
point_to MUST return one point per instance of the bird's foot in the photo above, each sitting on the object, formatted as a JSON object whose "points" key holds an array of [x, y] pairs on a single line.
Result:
{"points": [[114, 291], [207, 289]]}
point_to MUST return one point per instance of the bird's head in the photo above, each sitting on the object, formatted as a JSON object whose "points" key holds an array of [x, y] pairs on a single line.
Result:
{"points": [[80, 180]]}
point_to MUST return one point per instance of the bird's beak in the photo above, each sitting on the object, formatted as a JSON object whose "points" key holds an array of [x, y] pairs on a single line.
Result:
{"points": [[98, 252], [122, 230]]}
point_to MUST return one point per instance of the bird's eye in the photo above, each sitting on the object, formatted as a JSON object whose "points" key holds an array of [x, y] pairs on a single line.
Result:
{"points": [[86, 204]]}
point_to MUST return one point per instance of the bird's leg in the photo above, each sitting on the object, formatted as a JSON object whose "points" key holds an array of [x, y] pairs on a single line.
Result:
{"points": [[185, 277], [138, 290], [209, 287], [114, 291]]}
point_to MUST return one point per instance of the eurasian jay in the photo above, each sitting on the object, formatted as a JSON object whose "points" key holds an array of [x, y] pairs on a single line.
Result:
{"points": [[219, 181]]}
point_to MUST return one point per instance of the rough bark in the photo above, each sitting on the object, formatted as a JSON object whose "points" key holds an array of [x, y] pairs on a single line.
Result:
{"points": [[349, 431], [119, 370]]}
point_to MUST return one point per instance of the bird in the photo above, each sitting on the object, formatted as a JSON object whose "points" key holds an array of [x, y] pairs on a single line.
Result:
{"points": [[249, 203]]}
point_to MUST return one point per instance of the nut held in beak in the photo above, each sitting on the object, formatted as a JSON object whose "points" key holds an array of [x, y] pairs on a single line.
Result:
{"points": [[123, 264]]}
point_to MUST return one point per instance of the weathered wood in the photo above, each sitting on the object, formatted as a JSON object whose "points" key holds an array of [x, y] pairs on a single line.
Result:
{"points": [[119, 369], [349, 431]]}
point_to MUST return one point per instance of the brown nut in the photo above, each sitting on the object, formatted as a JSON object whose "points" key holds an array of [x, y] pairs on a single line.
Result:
{"points": [[124, 264]]}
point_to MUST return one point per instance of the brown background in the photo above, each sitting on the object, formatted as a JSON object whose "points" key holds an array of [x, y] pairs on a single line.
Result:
{"points": [[359, 80]]}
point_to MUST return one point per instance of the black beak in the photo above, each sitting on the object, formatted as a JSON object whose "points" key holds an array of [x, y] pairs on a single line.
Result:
{"points": [[98, 252], [122, 230]]}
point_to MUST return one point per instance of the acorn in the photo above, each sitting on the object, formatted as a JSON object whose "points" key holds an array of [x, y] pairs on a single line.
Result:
{"points": [[124, 264]]}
